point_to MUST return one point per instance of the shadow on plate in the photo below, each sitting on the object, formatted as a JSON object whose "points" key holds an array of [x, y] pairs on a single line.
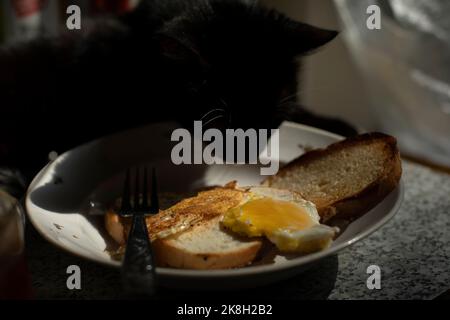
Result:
{"points": [[77, 178]]}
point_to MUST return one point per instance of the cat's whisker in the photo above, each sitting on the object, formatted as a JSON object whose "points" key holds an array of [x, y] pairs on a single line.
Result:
{"points": [[224, 103], [229, 113], [285, 103], [212, 119], [226, 110], [291, 100], [294, 95], [211, 111]]}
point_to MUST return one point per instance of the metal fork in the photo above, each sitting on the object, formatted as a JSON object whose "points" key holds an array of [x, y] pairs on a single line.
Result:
{"points": [[138, 268]]}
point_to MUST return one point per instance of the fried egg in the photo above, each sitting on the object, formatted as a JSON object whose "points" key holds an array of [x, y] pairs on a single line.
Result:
{"points": [[283, 217]]}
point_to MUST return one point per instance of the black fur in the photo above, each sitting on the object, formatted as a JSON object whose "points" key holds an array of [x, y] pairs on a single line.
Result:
{"points": [[169, 59]]}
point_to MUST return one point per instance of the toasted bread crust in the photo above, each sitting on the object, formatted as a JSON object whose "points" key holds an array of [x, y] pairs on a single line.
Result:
{"points": [[202, 212], [175, 252], [357, 204], [205, 206], [167, 253], [362, 139]]}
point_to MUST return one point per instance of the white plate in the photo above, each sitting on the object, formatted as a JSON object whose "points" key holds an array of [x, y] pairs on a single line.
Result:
{"points": [[59, 199]]}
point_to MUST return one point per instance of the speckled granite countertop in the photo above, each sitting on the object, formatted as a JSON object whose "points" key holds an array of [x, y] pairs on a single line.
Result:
{"points": [[412, 251]]}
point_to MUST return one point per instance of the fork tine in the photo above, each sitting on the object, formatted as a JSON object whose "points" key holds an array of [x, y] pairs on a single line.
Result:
{"points": [[136, 191], [154, 206], [126, 205], [145, 206], [138, 268]]}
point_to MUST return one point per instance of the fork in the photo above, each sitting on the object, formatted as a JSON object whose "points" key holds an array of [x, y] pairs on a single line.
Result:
{"points": [[138, 268]]}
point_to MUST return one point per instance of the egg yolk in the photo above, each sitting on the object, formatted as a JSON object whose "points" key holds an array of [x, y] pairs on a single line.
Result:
{"points": [[265, 215]]}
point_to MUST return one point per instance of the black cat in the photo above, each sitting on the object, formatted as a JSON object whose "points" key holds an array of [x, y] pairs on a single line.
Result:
{"points": [[226, 62]]}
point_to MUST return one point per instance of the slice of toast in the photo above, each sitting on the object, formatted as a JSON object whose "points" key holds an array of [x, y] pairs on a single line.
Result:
{"points": [[181, 216], [347, 178], [206, 246], [188, 235]]}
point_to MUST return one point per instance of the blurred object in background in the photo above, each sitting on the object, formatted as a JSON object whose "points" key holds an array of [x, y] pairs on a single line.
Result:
{"points": [[329, 80], [406, 65], [113, 6], [22, 20], [427, 16], [2, 24], [14, 277], [27, 19]]}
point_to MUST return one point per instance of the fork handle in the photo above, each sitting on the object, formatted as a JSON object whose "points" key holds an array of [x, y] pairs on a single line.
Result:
{"points": [[138, 269]]}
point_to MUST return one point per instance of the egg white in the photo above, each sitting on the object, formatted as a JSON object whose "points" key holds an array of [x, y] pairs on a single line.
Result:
{"points": [[313, 238]]}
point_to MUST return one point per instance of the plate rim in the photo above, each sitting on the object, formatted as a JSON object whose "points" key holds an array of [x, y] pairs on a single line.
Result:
{"points": [[224, 273]]}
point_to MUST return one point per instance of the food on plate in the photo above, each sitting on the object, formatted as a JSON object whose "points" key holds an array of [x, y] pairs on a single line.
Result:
{"points": [[179, 217], [347, 178], [189, 235], [226, 227], [206, 246], [282, 216]]}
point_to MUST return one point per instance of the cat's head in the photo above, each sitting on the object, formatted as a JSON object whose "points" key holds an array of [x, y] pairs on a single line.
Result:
{"points": [[238, 58]]}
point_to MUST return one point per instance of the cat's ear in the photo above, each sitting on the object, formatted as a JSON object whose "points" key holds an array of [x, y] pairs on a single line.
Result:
{"points": [[305, 38]]}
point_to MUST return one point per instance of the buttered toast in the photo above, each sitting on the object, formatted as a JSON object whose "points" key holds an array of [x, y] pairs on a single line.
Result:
{"points": [[188, 234], [206, 246], [345, 179]]}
